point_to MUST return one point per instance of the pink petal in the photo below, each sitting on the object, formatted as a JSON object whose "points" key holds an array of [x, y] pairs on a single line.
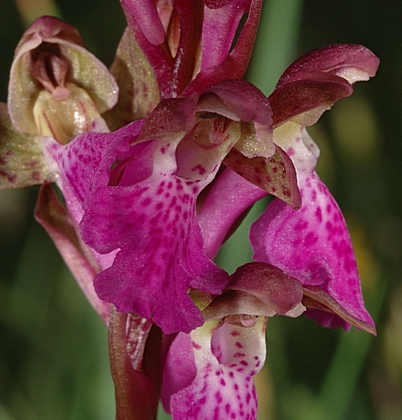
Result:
{"points": [[150, 217], [312, 245], [235, 64], [230, 196], [221, 20], [146, 15], [226, 358], [349, 61], [179, 370], [307, 98]]}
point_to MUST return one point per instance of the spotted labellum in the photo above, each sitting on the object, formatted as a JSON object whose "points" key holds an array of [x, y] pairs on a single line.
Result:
{"points": [[158, 159]]}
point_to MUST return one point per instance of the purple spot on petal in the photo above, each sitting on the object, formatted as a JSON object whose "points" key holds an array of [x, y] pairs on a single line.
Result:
{"points": [[146, 202], [218, 397], [318, 214]]}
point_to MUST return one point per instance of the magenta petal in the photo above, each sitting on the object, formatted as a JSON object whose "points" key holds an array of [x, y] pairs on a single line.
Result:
{"points": [[352, 62], [235, 64], [312, 245], [221, 20], [179, 370], [146, 15], [80, 160], [226, 358], [244, 99], [150, 216], [229, 197], [315, 92]]}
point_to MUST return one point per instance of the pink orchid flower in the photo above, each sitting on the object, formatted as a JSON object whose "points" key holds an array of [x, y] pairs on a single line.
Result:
{"points": [[148, 205], [311, 267], [57, 89]]}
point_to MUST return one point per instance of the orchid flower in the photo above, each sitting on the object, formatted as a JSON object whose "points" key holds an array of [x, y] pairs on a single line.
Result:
{"points": [[148, 204], [312, 244], [57, 89], [297, 271], [229, 349], [161, 164]]}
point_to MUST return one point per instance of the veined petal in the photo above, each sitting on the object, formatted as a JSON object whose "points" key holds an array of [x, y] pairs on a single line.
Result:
{"points": [[226, 358], [276, 175]]}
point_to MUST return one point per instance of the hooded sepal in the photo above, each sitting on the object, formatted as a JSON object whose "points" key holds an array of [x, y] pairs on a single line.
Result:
{"points": [[52, 73], [257, 289], [315, 81]]}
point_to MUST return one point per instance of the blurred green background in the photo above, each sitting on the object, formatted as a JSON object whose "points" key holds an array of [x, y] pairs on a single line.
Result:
{"points": [[53, 349]]}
